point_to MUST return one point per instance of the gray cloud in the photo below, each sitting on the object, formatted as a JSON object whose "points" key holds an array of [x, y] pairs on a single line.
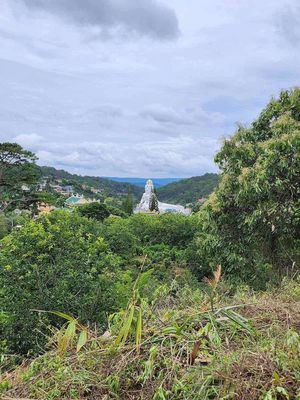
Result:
{"points": [[139, 107], [144, 17], [288, 23]]}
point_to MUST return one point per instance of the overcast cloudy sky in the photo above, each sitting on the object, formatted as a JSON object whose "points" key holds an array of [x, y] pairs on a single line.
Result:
{"points": [[140, 87]]}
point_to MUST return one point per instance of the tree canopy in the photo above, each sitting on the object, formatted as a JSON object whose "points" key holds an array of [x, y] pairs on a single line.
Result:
{"points": [[253, 216], [95, 210], [17, 168]]}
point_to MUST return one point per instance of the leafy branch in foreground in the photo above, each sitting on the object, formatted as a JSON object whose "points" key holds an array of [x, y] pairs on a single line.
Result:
{"points": [[65, 337]]}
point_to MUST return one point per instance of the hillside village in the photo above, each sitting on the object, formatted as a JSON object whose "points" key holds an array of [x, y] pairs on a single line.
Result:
{"points": [[73, 199], [69, 194]]}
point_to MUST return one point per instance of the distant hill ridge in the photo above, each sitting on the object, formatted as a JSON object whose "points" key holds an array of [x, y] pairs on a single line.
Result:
{"points": [[158, 182], [110, 188], [188, 190], [180, 191]]}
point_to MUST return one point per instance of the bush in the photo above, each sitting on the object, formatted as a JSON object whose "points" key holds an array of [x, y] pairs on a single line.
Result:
{"points": [[59, 262], [120, 237], [170, 229]]}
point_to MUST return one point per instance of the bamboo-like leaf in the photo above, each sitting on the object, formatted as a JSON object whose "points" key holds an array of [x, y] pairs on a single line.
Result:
{"points": [[67, 338], [138, 335], [169, 330], [81, 340], [63, 315], [58, 313], [238, 319], [128, 324], [125, 328]]}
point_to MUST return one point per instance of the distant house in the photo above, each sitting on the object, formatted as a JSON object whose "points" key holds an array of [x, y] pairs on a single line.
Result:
{"points": [[56, 188], [76, 200], [43, 184], [67, 189]]}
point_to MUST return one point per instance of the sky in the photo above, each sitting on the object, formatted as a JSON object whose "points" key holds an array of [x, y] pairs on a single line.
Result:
{"points": [[140, 87]]}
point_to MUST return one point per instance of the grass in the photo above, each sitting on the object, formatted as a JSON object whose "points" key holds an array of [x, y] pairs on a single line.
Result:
{"points": [[245, 346]]}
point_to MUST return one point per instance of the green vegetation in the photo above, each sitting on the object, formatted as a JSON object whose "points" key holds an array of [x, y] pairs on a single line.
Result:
{"points": [[188, 191], [176, 347], [162, 307], [98, 211], [18, 173], [127, 204], [251, 222], [107, 187]]}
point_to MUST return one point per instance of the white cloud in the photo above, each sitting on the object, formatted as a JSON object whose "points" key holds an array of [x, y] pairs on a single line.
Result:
{"points": [[31, 140]]}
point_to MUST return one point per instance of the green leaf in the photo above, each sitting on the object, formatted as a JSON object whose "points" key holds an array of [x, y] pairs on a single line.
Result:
{"points": [[124, 331], [138, 336], [281, 390], [67, 338], [63, 315], [81, 340]]}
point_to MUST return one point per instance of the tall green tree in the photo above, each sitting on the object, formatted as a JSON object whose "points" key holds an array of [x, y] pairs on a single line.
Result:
{"points": [[153, 204], [127, 204], [17, 169], [251, 222]]}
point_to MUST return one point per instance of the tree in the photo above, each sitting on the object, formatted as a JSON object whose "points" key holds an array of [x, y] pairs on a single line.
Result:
{"points": [[95, 210], [251, 222], [153, 204], [17, 172], [128, 203]]}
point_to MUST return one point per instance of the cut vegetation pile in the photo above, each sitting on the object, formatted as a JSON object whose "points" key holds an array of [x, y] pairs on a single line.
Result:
{"points": [[189, 343]]}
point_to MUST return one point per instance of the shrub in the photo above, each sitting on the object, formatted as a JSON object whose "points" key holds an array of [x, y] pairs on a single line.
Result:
{"points": [[58, 262], [170, 229]]}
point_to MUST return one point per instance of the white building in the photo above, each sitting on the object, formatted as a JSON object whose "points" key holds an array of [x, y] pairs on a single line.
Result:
{"points": [[144, 204]]}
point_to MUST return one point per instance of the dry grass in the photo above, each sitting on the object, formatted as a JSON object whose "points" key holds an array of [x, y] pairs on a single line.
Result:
{"points": [[187, 352]]}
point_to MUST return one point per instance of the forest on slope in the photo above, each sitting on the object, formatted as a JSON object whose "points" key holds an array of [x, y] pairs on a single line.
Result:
{"points": [[188, 190]]}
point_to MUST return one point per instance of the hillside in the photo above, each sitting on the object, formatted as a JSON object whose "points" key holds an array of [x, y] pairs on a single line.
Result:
{"points": [[109, 187], [158, 182], [188, 190]]}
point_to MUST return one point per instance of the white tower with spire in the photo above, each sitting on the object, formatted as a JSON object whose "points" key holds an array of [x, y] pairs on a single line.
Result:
{"points": [[144, 204]]}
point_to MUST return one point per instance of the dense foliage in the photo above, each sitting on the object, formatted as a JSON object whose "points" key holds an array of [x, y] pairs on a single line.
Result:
{"points": [[247, 348], [188, 190], [60, 262], [98, 211], [17, 170], [251, 222], [70, 263]]}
